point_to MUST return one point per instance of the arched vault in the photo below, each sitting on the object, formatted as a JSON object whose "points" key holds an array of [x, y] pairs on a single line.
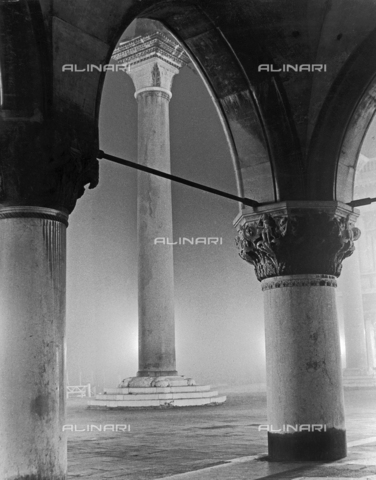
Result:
{"points": [[294, 135]]}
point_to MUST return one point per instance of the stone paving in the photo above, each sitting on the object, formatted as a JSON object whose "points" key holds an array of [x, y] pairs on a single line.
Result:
{"points": [[203, 443]]}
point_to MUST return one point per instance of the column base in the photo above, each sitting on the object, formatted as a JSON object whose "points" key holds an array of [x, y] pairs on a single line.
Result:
{"points": [[358, 378], [307, 446], [159, 373], [157, 392]]}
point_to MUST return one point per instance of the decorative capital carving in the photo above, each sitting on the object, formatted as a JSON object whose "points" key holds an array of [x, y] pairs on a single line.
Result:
{"points": [[72, 166], [295, 241], [48, 163], [151, 61], [156, 76]]}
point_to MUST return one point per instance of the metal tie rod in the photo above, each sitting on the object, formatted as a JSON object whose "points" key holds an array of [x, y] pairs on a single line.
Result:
{"points": [[361, 202], [137, 166]]}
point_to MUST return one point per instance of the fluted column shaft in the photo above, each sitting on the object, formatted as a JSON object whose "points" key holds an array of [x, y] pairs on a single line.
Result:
{"points": [[32, 349]]}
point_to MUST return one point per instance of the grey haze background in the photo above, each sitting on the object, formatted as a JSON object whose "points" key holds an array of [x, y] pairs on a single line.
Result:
{"points": [[219, 320], [219, 314]]}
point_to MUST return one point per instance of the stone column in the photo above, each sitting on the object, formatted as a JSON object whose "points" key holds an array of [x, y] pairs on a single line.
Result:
{"points": [[153, 80], [32, 350], [152, 61], [370, 339], [355, 338], [297, 249]]}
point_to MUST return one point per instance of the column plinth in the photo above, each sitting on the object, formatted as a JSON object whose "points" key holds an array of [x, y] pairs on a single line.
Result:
{"points": [[297, 249], [32, 355]]}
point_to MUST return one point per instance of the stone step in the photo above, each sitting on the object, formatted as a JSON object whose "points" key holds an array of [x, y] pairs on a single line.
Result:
{"points": [[156, 396], [182, 402], [138, 390], [157, 381]]}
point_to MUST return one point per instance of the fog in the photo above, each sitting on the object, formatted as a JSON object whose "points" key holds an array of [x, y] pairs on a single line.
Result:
{"points": [[218, 303], [218, 300]]}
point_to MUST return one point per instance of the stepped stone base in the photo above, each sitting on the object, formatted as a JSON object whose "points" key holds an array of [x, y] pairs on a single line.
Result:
{"points": [[357, 378], [149, 392]]}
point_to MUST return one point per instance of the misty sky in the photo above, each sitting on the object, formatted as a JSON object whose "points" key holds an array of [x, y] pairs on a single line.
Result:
{"points": [[218, 300]]}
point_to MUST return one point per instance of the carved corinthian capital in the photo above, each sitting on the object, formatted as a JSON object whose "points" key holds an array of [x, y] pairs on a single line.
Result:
{"points": [[295, 238]]}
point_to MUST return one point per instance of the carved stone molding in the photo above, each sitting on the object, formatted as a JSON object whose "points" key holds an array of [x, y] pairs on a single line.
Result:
{"points": [[299, 281], [152, 61], [296, 241], [34, 212], [73, 165]]}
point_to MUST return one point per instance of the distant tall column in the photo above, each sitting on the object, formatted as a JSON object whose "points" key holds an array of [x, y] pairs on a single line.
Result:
{"points": [[153, 79], [355, 338], [152, 61], [370, 339], [360, 286]]}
